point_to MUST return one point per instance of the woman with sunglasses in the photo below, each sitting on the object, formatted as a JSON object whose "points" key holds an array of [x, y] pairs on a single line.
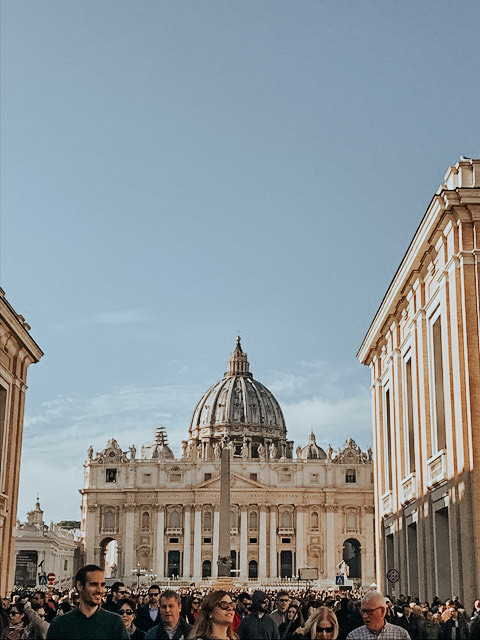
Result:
{"points": [[321, 625], [17, 622], [191, 608], [126, 608], [215, 618]]}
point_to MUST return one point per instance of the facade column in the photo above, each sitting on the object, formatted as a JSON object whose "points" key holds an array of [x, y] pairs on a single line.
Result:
{"points": [[159, 552], [129, 536], [92, 528], [368, 554], [243, 542], [216, 539], [197, 543], [262, 544], [299, 536], [187, 542], [273, 542], [330, 543]]}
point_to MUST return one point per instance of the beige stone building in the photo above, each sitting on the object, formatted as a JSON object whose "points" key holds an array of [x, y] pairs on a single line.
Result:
{"points": [[290, 509], [423, 352], [41, 549], [17, 351]]}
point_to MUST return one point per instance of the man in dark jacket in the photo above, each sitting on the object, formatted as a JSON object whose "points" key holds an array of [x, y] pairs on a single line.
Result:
{"points": [[171, 625], [258, 625], [118, 591], [149, 615]]}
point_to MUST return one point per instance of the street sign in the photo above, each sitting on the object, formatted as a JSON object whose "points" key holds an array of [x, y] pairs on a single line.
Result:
{"points": [[393, 575], [51, 579]]}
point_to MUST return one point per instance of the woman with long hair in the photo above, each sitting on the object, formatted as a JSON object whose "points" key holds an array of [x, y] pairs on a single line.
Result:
{"points": [[321, 625], [215, 618]]}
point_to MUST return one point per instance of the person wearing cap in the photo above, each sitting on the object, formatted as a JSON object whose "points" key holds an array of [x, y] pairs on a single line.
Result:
{"points": [[258, 623], [374, 609]]}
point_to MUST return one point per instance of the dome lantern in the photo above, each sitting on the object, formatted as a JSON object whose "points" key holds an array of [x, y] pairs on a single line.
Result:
{"points": [[240, 409]]}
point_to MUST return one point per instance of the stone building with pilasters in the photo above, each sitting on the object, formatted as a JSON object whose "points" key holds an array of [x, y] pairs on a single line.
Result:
{"points": [[423, 352], [289, 509]]}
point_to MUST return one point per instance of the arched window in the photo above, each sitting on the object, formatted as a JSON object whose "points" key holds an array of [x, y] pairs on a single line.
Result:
{"points": [[252, 570], [174, 519], [286, 520], [314, 520], [207, 521], [253, 521], [206, 569], [352, 554], [145, 521]]}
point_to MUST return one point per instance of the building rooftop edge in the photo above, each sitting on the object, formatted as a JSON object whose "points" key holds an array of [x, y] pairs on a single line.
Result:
{"points": [[20, 327], [452, 182]]}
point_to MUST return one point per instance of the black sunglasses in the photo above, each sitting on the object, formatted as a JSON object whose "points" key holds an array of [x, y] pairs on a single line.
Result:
{"points": [[226, 605], [127, 612], [324, 629]]}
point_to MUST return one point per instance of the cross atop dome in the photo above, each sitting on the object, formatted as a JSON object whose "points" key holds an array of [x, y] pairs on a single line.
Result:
{"points": [[238, 363]]}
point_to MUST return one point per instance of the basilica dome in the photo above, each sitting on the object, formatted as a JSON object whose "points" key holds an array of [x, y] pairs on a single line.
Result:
{"points": [[240, 409]]}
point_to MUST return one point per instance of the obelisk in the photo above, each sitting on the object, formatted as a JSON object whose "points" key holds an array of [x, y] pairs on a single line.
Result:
{"points": [[224, 559]]}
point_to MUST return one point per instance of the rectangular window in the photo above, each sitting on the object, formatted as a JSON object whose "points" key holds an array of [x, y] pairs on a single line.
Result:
{"points": [[207, 476], [286, 540], [110, 475], [409, 429], [254, 476], [65, 565], [173, 540], [207, 541], [252, 540], [438, 381], [351, 476]]}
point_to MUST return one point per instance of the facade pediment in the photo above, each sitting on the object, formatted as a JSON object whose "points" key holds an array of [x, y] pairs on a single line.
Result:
{"points": [[237, 483]]}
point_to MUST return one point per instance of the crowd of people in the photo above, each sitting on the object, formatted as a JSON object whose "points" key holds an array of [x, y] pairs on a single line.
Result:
{"points": [[89, 613]]}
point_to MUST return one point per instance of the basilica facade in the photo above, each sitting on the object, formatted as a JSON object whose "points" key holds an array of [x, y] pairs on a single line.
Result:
{"points": [[291, 507]]}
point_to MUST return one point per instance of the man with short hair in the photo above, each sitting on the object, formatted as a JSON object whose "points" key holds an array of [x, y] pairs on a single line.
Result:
{"points": [[89, 621], [171, 625], [244, 602], [373, 609], [258, 625], [280, 613], [118, 591], [147, 616]]}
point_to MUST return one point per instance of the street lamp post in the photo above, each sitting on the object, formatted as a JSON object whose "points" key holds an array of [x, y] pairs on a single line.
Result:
{"points": [[138, 572]]}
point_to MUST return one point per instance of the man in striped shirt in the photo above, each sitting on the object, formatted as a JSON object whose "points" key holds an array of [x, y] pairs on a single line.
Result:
{"points": [[374, 608]]}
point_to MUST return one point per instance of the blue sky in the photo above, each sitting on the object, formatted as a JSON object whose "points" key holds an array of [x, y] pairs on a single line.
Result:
{"points": [[173, 172]]}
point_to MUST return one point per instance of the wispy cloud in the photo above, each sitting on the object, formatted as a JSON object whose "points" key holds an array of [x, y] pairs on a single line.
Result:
{"points": [[326, 397], [119, 317]]}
